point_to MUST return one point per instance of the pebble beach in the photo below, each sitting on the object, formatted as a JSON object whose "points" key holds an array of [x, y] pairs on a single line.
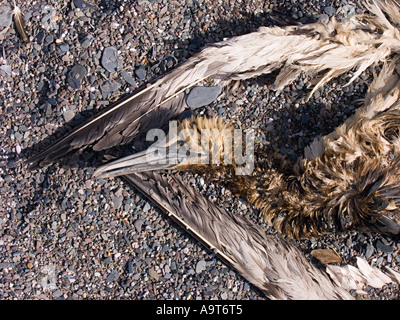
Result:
{"points": [[65, 235]]}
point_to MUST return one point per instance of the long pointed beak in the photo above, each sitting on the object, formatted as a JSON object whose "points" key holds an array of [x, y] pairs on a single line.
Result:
{"points": [[138, 162]]}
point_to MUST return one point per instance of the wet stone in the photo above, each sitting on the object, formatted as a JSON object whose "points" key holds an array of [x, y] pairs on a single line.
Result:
{"points": [[202, 96]]}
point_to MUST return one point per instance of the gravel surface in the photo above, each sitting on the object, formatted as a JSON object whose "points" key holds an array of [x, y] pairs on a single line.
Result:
{"points": [[65, 235]]}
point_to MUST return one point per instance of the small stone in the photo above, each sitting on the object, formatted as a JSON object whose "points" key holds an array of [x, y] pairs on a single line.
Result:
{"points": [[82, 4], [140, 73], [383, 247], [138, 224], [128, 78], [117, 202], [63, 47], [109, 59], [200, 266], [87, 41], [75, 76], [68, 115], [369, 251], [56, 293], [29, 265], [146, 207], [153, 274], [49, 39], [113, 276], [129, 267], [224, 296], [6, 68], [202, 96], [330, 11]]}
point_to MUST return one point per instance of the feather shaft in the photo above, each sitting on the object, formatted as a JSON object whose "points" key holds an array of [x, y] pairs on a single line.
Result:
{"points": [[20, 24]]}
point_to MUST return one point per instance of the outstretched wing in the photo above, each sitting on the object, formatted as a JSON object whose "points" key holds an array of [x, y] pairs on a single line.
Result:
{"points": [[323, 49], [269, 262]]}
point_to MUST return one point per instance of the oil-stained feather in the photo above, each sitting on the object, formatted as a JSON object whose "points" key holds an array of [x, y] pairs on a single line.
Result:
{"points": [[269, 262], [20, 24], [323, 50]]}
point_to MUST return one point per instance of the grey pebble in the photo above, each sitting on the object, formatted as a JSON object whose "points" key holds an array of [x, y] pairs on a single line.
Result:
{"points": [[167, 269], [369, 251], [49, 39], [63, 47], [82, 4], [109, 59], [141, 73], [6, 68], [113, 276], [68, 115], [128, 78], [129, 267], [200, 266], [117, 202], [138, 224], [202, 96], [56, 293], [383, 247], [76, 75], [146, 207], [330, 11]]}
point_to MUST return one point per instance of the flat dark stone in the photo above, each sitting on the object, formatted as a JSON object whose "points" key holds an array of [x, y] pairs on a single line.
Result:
{"points": [[63, 47], [109, 59], [383, 247], [140, 73], [76, 75], [82, 4], [128, 78], [113, 276], [202, 96]]}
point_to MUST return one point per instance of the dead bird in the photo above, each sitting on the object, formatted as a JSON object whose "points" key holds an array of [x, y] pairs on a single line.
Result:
{"points": [[335, 187], [322, 51], [349, 179]]}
